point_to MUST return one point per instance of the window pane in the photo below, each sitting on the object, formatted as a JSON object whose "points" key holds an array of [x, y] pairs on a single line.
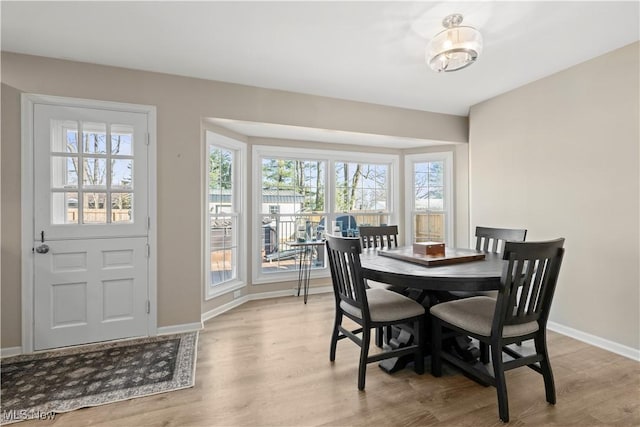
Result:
{"points": [[64, 208], [220, 168], [72, 139], [222, 266], [220, 180], [429, 227], [223, 217], [94, 172], [121, 207], [428, 185], [372, 219], [94, 208], [361, 187], [94, 138], [292, 203], [223, 248], [429, 223], [293, 185], [122, 140], [222, 231], [122, 174], [64, 172]]}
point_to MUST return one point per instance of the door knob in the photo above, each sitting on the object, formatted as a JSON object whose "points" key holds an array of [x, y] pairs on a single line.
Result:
{"points": [[42, 249]]}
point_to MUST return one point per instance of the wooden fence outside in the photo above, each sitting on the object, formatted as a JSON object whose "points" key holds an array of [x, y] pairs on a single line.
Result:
{"points": [[99, 216], [430, 227]]}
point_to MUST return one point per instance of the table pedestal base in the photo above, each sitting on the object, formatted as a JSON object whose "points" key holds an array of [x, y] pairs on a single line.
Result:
{"points": [[401, 337]]}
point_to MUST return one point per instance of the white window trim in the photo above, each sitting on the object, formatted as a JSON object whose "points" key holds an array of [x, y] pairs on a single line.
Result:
{"points": [[330, 156], [409, 160], [211, 137]]}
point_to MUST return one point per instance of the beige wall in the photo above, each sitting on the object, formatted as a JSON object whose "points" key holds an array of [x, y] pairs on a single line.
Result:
{"points": [[182, 103], [560, 157]]}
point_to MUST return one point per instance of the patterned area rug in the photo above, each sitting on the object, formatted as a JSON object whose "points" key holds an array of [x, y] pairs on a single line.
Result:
{"points": [[43, 384]]}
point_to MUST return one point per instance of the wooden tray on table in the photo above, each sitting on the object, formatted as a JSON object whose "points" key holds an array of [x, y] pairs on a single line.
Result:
{"points": [[451, 256]]}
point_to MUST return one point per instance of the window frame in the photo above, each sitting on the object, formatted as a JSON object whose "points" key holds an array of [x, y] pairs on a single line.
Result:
{"points": [[260, 152], [448, 203], [239, 202]]}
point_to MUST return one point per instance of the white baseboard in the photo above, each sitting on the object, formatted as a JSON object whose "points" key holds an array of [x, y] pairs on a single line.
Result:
{"points": [[10, 351], [224, 308], [614, 347], [262, 295], [178, 329], [320, 290]]}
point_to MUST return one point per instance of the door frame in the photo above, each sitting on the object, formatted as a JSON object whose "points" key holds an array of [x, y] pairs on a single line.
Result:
{"points": [[29, 100]]}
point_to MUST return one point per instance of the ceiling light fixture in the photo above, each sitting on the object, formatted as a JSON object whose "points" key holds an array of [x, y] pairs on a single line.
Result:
{"points": [[454, 48]]}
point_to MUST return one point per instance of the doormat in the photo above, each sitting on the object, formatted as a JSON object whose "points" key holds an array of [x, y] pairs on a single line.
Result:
{"points": [[42, 384]]}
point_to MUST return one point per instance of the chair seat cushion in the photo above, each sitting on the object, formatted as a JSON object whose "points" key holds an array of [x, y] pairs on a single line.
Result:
{"points": [[380, 285], [386, 306], [475, 315]]}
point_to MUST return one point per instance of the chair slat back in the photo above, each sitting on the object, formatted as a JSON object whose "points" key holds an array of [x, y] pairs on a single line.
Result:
{"points": [[528, 281], [346, 271], [383, 236], [493, 239]]}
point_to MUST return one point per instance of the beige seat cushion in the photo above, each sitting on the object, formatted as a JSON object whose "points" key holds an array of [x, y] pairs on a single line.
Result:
{"points": [[475, 315], [380, 285], [386, 306]]}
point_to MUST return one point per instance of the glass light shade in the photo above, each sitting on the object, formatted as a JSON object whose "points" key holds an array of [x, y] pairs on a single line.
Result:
{"points": [[454, 48]]}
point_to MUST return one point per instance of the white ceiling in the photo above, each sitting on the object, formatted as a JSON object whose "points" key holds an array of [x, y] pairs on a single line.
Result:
{"points": [[364, 51]]}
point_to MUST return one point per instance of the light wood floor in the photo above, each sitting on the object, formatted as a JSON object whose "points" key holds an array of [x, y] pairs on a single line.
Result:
{"points": [[266, 363]]}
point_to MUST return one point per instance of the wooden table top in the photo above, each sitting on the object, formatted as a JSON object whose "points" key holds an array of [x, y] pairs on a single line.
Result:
{"points": [[479, 275]]}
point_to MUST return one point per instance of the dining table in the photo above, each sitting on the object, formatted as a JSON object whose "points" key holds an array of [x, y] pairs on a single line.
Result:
{"points": [[475, 275], [401, 267]]}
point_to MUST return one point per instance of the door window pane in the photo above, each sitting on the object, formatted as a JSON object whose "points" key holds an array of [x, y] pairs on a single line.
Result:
{"points": [[121, 140], [64, 172], [64, 136], [94, 172], [122, 174], [94, 208], [121, 207], [94, 138], [64, 209], [91, 167]]}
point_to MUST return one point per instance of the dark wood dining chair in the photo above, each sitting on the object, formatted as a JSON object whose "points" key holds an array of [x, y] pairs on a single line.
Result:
{"points": [[380, 237], [369, 308], [492, 240], [519, 312]]}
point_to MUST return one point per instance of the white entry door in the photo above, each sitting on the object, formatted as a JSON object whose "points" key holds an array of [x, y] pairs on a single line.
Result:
{"points": [[91, 207]]}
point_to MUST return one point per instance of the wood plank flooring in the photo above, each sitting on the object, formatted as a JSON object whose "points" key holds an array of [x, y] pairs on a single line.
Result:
{"points": [[266, 363]]}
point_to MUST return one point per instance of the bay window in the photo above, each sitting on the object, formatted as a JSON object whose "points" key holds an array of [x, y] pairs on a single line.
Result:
{"points": [[299, 192]]}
